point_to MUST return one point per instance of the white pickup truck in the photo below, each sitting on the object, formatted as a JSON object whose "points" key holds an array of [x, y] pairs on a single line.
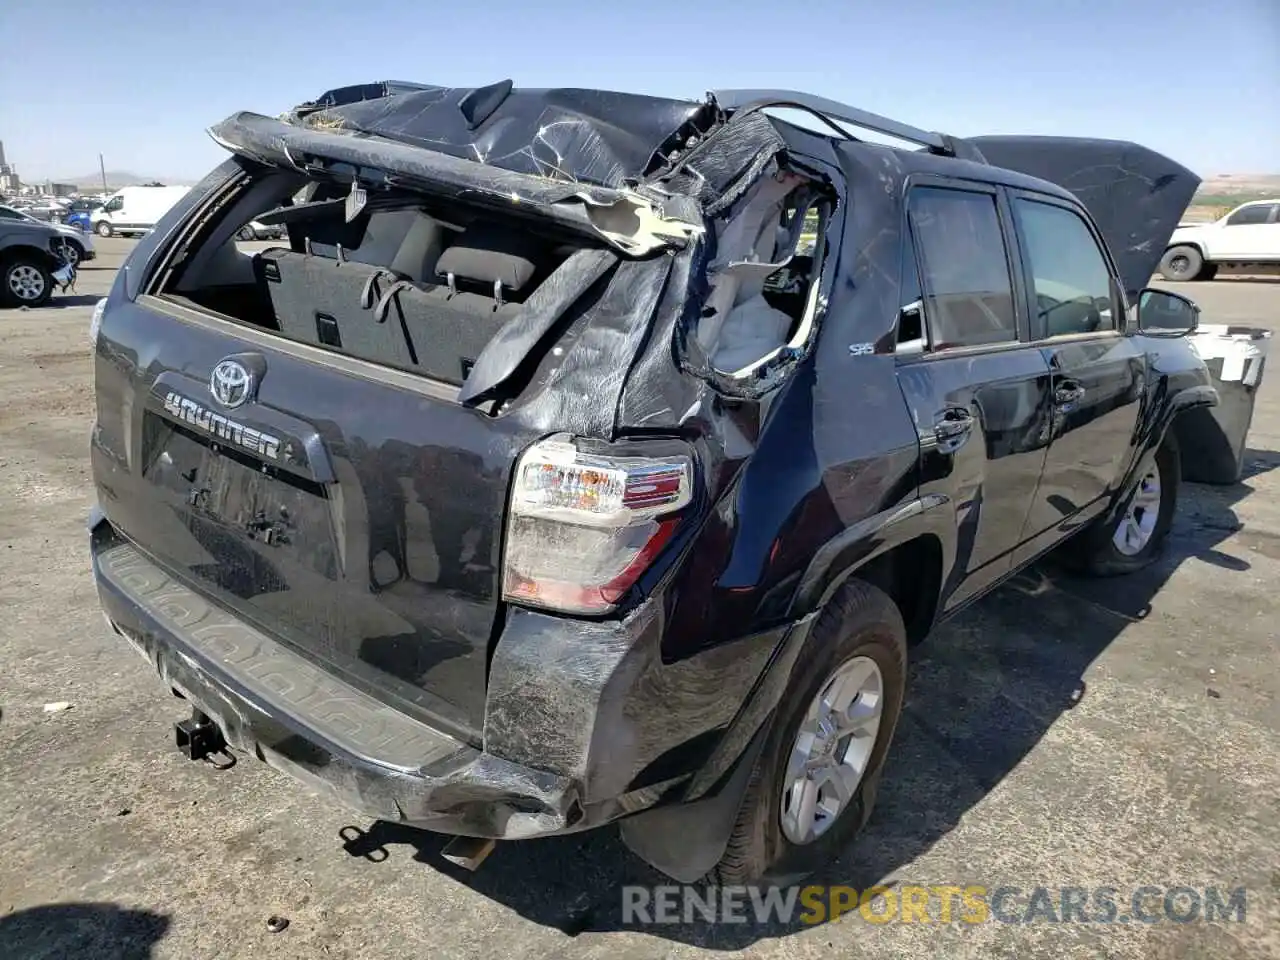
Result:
{"points": [[1248, 236]]}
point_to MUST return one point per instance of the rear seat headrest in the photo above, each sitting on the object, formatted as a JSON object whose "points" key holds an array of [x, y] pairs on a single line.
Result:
{"points": [[490, 256]]}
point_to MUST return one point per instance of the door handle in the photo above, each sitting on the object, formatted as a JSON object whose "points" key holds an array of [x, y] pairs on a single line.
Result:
{"points": [[1068, 392], [952, 428]]}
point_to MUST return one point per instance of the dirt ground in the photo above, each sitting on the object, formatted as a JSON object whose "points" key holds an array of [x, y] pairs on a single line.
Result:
{"points": [[1060, 733]]}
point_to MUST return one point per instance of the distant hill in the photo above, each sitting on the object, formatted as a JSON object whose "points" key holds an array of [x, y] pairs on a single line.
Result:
{"points": [[1220, 192], [119, 178], [1233, 183]]}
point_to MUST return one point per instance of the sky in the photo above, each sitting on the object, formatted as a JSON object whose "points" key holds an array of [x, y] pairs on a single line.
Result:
{"points": [[141, 81]]}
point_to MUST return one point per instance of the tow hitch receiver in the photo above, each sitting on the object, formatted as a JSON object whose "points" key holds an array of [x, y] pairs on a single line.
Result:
{"points": [[198, 737]]}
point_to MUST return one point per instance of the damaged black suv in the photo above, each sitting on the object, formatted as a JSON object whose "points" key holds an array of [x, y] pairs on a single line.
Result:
{"points": [[586, 456]]}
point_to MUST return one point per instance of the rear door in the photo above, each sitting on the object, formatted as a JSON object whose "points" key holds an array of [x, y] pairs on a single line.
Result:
{"points": [[1078, 322], [978, 390]]}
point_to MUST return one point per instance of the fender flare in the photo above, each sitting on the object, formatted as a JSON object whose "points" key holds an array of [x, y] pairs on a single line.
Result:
{"points": [[861, 542]]}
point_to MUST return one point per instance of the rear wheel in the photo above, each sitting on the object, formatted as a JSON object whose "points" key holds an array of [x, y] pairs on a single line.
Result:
{"points": [[103, 229], [26, 282], [815, 782], [1181, 264]]}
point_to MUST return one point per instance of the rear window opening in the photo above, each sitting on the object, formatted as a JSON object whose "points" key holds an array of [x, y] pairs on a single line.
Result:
{"points": [[767, 275], [404, 283], [422, 284]]}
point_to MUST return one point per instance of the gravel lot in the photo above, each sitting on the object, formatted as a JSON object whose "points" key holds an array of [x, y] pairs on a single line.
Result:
{"points": [[1062, 733]]}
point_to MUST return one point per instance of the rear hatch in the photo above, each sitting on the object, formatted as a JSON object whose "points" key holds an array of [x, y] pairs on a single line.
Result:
{"points": [[323, 434], [361, 522], [295, 430]]}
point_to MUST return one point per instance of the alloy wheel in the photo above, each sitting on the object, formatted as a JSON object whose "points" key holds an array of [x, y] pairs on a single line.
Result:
{"points": [[1138, 524], [832, 750], [26, 282]]}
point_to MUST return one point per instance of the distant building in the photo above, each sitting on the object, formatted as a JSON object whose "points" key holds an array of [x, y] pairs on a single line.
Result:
{"points": [[51, 189], [9, 182]]}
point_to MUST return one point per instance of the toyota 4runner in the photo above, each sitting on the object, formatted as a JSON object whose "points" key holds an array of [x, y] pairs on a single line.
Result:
{"points": [[587, 457]]}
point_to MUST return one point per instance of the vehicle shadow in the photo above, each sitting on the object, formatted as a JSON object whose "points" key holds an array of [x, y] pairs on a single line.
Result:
{"points": [[103, 931], [72, 300], [982, 693]]}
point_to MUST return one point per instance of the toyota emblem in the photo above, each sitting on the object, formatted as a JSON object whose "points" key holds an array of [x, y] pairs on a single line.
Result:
{"points": [[230, 383]]}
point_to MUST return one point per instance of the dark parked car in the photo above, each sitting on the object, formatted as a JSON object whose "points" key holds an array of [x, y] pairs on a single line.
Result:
{"points": [[515, 497], [35, 258]]}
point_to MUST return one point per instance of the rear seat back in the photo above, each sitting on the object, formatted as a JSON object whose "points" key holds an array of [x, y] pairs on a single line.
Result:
{"points": [[318, 301], [387, 315]]}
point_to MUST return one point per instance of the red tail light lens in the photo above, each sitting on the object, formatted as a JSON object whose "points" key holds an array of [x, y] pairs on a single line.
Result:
{"points": [[582, 527]]}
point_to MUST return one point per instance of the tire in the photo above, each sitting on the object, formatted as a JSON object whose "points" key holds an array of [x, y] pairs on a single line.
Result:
{"points": [[77, 253], [1098, 554], [103, 229], [25, 282], [858, 624], [1181, 264]]}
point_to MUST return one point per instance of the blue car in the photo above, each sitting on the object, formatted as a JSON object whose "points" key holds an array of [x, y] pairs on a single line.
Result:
{"points": [[78, 213]]}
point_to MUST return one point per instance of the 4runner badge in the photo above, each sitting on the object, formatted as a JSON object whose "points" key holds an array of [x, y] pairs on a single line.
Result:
{"points": [[197, 415], [230, 383]]}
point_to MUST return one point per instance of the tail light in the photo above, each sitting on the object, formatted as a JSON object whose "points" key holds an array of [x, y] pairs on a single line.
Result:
{"points": [[583, 527]]}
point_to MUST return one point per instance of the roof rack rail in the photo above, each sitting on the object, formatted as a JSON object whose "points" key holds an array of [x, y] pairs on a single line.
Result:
{"points": [[832, 110]]}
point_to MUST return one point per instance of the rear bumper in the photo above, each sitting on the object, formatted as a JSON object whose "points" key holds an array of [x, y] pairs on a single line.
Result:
{"points": [[272, 703], [572, 741]]}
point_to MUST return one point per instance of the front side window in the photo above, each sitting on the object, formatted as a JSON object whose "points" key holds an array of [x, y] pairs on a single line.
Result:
{"points": [[115, 203], [968, 294], [1254, 213], [1071, 280]]}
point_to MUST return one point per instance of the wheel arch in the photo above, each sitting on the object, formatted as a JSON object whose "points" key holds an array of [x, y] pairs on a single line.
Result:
{"points": [[904, 551], [13, 251], [1197, 245]]}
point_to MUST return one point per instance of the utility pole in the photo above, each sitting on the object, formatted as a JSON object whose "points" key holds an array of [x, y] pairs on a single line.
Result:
{"points": [[102, 168]]}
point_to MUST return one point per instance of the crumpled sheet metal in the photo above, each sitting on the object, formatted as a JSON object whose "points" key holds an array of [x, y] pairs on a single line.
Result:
{"points": [[628, 220], [1135, 195], [718, 170], [515, 340], [593, 701], [572, 135]]}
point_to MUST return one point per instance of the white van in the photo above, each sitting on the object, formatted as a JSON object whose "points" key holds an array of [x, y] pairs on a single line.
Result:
{"points": [[134, 209]]}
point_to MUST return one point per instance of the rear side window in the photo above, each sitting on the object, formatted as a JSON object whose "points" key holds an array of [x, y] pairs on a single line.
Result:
{"points": [[1071, 281], [968, 294], [1257, 213]]}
